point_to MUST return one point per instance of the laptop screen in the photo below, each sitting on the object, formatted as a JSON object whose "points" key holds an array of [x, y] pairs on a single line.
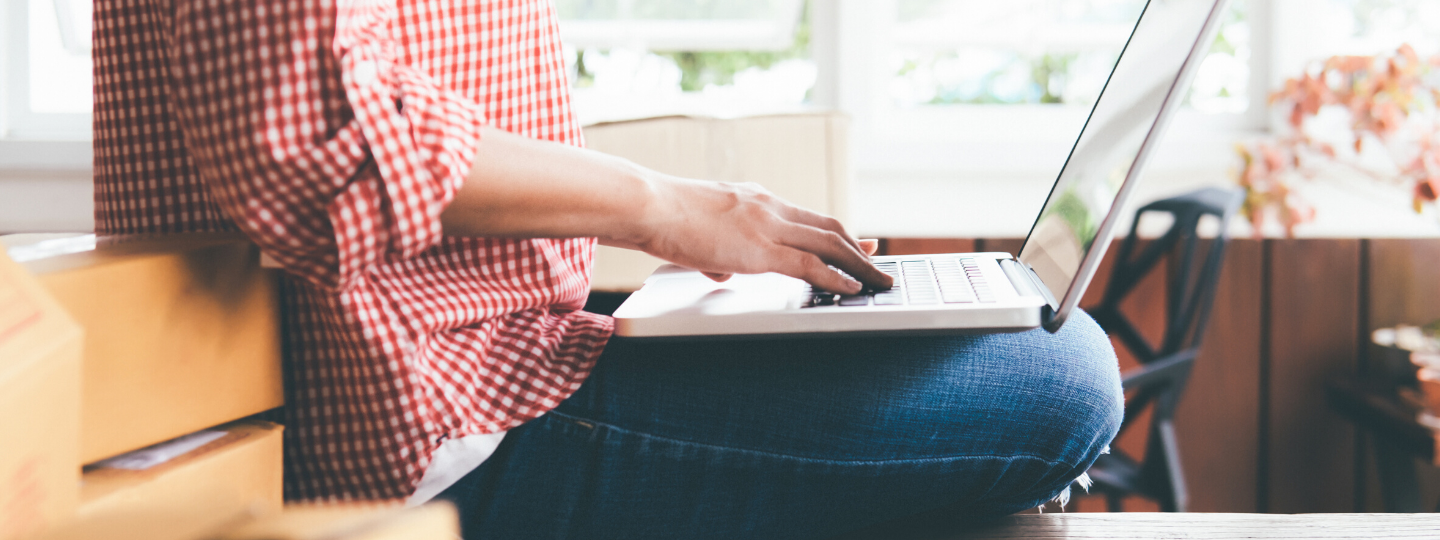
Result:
{"points": [[1109, 145]]}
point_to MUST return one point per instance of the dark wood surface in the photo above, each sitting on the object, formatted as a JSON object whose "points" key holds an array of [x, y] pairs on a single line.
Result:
{"points": [[1380, 410], [1404, 283], [1314, 293], [1210, 526], [922, 246], [1403, 288], [1146, 308], [1323, 297], [1006, 245], [1218, 421]]}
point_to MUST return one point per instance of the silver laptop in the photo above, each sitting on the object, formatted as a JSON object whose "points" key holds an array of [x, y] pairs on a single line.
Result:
{"points": [[973, 292]]}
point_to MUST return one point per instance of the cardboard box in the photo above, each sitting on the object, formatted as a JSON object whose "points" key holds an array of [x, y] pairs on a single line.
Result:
{"points": [[201, 517], [802, 158], [39, 406], [434, 521], [345, 521], [181, 332], [241, 471]]}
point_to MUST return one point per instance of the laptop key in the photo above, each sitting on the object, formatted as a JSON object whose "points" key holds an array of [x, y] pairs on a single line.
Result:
{"points": [[854, 301]]}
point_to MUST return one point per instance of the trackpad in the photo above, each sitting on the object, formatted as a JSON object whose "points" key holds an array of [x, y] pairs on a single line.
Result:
{"points": [[692, 293]]}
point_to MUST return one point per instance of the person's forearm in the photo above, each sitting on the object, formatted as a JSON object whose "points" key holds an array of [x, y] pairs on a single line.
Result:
{"points": [[524, 188]]}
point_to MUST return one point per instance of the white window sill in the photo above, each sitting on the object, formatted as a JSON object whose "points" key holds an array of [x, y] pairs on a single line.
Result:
{"points": [[46, 201], [1000, 207], [45, 155]]}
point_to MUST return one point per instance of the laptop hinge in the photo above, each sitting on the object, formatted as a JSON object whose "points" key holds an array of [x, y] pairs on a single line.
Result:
{"points": [[1027, 282]]}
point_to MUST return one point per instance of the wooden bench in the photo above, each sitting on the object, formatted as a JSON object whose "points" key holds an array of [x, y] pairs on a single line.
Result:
{"points": [[1208, 526]]}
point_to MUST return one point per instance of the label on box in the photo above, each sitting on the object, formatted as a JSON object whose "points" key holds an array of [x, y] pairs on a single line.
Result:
{"points": [[23, 495], [17, 311], [146, 458]]}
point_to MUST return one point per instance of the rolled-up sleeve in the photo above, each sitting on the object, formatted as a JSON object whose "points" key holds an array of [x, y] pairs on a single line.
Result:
{"points": [[322, 148]]}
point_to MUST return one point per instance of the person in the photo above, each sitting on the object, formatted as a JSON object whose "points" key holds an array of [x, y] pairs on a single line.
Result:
{"points": [[416, 170]]}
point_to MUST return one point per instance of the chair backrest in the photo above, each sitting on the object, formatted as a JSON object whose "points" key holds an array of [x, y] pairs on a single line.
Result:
{"points": [[1192, 275]]}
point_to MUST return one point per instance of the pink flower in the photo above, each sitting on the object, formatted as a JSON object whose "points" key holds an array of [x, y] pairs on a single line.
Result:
{"points": [[1381, 94]]}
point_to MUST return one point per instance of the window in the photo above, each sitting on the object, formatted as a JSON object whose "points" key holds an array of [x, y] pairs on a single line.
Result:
{"points": [[49, 88], [948, 52], [1310, 30], [46, 94], [981, 89], [937, 87], [643, 57]]}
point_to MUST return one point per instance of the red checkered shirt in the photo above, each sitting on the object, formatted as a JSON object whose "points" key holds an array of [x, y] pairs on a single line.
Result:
{"points": [[334, 133]]}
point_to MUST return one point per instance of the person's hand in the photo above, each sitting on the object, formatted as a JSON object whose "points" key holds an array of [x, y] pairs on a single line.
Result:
{"points": [[520, 187], [724, 228], [869, 246]]}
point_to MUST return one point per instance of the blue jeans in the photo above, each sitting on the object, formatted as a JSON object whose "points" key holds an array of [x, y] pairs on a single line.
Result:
{"points": [[802, 438]]}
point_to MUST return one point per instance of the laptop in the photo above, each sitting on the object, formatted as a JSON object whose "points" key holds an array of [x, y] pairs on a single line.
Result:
{"points": [[973, 292]]}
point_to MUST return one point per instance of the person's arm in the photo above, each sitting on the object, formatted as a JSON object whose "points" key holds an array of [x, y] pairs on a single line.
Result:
{"points": [[299, 132], [521, 187], [318, 143]]}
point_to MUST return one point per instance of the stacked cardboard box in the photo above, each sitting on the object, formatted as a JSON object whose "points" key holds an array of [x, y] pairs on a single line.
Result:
{"points": [[182, 332], [39, 406], [181, 342], [235, 467], [181, 336], [435, 521]]}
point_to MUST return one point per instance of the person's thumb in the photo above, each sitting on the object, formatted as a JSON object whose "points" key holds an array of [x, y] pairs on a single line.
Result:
{"points": [[717, 276]]}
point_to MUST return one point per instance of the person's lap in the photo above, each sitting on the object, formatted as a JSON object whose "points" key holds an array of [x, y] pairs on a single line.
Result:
{"points": [[802, 437]]}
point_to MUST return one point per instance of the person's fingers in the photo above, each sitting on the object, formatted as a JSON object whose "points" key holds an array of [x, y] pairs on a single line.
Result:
{"points": [[810, 268], [870, 246], [832, 249], [819, 221], [718, 277]]}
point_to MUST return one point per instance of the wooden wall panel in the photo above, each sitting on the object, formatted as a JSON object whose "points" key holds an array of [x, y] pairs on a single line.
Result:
{"points": [[1146, 308], [1404, 281], [1314, 290], [1132, 440], [1403, 288], [1273, 363], [1007, 245], [1218, 420], [921, 246]]}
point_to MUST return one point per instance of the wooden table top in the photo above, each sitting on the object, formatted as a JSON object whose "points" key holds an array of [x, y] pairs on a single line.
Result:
{"points": [[1380, 409], [1209, 526]]}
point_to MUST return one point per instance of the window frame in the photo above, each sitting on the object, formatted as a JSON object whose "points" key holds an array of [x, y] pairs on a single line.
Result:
{"points": [[771, 33], [29, 140], [850, 52]]}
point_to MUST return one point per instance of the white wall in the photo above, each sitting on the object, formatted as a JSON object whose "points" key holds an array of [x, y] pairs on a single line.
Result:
{"points": [[46, 201]]}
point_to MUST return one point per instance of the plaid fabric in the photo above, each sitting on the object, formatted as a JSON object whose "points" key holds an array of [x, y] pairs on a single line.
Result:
{"points": [[333, 134]]}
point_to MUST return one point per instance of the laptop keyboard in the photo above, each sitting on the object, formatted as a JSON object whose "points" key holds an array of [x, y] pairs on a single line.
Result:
{"points": [[919, 282]]}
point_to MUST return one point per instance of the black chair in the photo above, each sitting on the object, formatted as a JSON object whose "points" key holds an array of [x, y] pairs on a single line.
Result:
{"points": [[1160, 380]]}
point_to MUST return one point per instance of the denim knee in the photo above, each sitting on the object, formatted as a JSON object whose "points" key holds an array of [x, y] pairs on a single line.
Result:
{"points": [[1078, 381], [1094, 404]]}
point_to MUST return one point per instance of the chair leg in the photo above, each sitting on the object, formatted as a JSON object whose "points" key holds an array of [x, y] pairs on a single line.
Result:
{"points": [[1179, 495], [1162, 478], [1113, 502]]}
